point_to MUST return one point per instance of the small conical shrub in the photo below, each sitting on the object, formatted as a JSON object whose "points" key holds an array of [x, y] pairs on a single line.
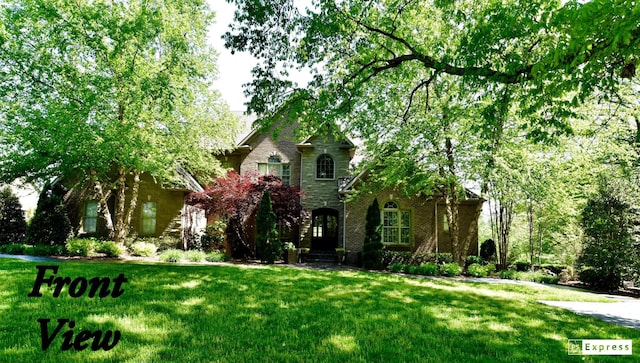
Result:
{"points": [[372, 248], [12, 223], [50, 224], [268, 245]]}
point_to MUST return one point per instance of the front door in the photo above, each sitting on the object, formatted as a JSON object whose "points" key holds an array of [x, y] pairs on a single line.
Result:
{"points": [[324, 229]]}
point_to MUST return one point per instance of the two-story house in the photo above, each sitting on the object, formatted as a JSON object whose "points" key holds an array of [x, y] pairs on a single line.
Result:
{"points": [[320, 166]]}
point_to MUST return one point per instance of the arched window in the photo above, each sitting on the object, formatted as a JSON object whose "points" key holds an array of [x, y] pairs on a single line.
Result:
{"points": [[274, 166], [324, 167], [396, 224]]}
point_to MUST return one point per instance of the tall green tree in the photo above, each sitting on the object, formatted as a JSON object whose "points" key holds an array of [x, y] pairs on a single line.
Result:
{"points": [[353, 46], [609, 220], [106, 91]]}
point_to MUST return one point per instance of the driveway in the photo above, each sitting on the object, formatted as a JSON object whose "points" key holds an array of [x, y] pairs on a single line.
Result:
{"points": [[625, 312]]}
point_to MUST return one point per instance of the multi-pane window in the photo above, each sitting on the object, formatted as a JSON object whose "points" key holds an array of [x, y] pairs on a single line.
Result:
{"points": [[274, 166], [90, 223], [149, 213], [396, 224], [324, 167]]}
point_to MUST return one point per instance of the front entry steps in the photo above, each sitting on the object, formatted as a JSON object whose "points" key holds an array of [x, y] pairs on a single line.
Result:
{"points": [[321, 257]]}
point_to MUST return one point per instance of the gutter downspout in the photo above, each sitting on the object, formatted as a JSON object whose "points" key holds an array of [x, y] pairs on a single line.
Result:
{"points": [[435, 220], [344, 224]]}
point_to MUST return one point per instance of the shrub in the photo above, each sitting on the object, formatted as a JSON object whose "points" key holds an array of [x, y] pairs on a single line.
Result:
{"points": [[50, 224], [508, 274], [172, 255], [81, 246], [476, 270], [411, 269], [14, 249], [488, 250], [213, 237], [217, 257], [444, 258], [144, 249], [451, 269], [162, 243], [429, 269], [13, 226], [195, 256], [395, 257], [110, 248], [46, 250], [543, 276], [473, 259], [523, 266], [490, 268], [596, 279], [372, 249], [396, 267], [268, 245]]}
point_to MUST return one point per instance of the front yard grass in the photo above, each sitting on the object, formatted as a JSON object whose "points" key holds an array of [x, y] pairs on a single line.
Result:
{"points": [[223, 313]]}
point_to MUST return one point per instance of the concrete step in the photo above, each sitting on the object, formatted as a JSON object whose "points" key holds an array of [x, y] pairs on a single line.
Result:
{"points": [[322, 257]]}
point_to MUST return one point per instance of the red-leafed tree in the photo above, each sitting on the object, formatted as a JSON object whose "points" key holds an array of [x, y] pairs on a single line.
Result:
{"points": [[236, 198]]}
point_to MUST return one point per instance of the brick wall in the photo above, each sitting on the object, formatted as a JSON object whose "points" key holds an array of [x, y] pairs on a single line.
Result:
{"points": [[423, 228], [169, 205]]}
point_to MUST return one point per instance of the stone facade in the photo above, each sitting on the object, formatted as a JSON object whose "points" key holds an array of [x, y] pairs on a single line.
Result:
{"points": [[301, 161]]}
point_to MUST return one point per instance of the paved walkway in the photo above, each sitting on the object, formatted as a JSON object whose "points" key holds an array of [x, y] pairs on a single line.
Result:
{"points": [[625, 312], [32, 258]]}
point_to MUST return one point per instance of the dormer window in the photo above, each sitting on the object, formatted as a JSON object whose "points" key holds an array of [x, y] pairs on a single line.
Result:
{"points": [[325, 167], [275, 166]]}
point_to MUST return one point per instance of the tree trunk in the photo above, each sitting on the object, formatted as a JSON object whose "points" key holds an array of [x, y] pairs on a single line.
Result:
{"points": [[132, 204], [121, 199], [103, 207], [452, 209], [530, 222], [502, 215]]}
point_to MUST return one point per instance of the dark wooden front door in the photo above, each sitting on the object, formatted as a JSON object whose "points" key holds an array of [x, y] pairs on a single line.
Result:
{"points": [[324, 229]]}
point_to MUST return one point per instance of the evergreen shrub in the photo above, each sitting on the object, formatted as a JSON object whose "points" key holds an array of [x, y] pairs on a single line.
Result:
{"points": [[13, 226]]}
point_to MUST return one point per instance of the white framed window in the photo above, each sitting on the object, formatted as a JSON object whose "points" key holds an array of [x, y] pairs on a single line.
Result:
{"points": [[396, 224], [149, 215], [325, 168], [274, 166], [90, 220]]}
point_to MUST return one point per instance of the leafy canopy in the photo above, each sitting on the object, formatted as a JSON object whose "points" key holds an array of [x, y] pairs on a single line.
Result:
{"points": [[97, 84], [370, 58]]}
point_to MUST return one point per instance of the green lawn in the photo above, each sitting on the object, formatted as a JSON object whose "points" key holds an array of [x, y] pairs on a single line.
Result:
{"points": [[171, 313]]}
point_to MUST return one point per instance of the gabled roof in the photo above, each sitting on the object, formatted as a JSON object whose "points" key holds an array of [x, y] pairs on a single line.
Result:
{"points": [[244, 143], [187, 181]]}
